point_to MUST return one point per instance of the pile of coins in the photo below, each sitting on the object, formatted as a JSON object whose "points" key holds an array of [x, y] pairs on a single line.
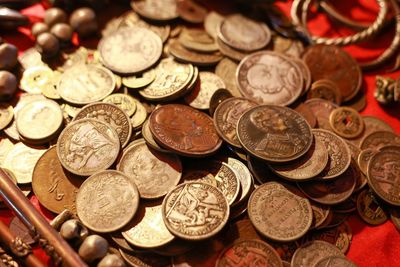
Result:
{"points": [[122, 137]]}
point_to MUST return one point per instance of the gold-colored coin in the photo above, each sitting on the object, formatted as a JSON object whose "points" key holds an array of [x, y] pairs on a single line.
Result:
{"points": [[50, 90], [5, 147], [6, 115], [36, 78], [139, 81], [197, 40], [71, 110], [140, 115], [123, 101]]}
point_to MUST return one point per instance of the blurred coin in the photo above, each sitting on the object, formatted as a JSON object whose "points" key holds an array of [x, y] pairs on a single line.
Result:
{"points": [[226, 70], [20, 230], [307, 113], [189, 56], [6, 115], [34, 78], [339, 236], [230, 52], [378, 139], [135, 259], [288, 46], [5, 147], [310, 253], [217, 98], [140, 115], [320, 214], [346, 122], [148, 137], [156, 10], [212, 22], [369, 208], [31, 58], [123, 101], [332, 261], [322, 110], [372, 124], [140, 80], [191, 11], [306, 74], [197, 40], [325, 89]]}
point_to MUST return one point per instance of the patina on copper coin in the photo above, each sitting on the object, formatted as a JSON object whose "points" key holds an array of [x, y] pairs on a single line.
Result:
{"points": [[278, 212], [195, 211], [346, 122], [107, 201], [369, 208], [87, 146], [247, 252], [274, 133], [364, 157], [322, 110], [226, 117], [310, 253], [378, 139], [269, 78], [307, 113], [335, 261], [184, 130]]}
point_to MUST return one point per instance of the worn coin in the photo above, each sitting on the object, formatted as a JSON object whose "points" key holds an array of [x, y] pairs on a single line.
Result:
{"points": [[140, 80], [306, 74], [31, 58], [378, 139], [156, 10], [278, 213], [339, 236], [320, 214], [5, 147], [325, 89], [197, 40], [148, 137], [140, 115], [230, 52], [364, 158], [195, 211], [18, 228], [322, 110], [245, 178], [335, 261], [155, 173], [34, 78], [6, 115], [87, 146], [212, 22], [107, 201], [371, 124], [288, 46], [199, 59], [217, 98], [274, 133], [226, 70], [369, 208], [310, 253], [346, 122], [123, 101], [307, 113], [148, 259], [191, 11]]}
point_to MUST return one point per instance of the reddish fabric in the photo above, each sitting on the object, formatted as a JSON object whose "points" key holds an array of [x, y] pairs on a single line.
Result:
{"points": [[371, 246]]}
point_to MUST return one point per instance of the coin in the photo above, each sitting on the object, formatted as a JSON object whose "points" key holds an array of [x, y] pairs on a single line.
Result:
{"points": [[184, 130], [107, 201], [136, 259], [156, 10], [243, 33], [369, 208], [111, 115], [306, 74], [332, 261], [11, 131], [140, 115], [311, 252], [371, 124], [217, 98], [197, 40], [34, 78], [212, 22], [247, 252], [20, 230], [123, 101], [339, 236], [140, 80], [346, 122], [320, 214], [244, 176], [307, 113], [195, 211], [226, 70], [5, 147], [288, 46], [87, 146], [191, 11], [230, 52], [6, 115], [130, 50], [269, 78], [325, 89], [54, 187], [378, 139], [270, 207], [50, 90], [273, 133], [148, 137], [85, 84], [322, 110], [189, 56], [155, 173], [395, 218]]}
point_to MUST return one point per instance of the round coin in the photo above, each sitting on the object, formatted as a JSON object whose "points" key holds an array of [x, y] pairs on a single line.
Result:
{"points": [[139, 81], [226, 70], [123, 101], [325, 89], [378, 139], [6, 115], [148, 137], [322, 110], [212, 22], [217, 98], [140, 115], [334, 261], [34, 78], [369, 209], [197, 40], [191, 11], [371, 124], [310, 253], [199, 59], [245, 178], [107, 201], [346, 122], [156, 10]]}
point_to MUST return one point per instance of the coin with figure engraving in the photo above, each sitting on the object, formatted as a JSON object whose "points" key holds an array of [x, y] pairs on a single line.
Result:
{"points": [[346, 122], [87, 146], [310, 253]]}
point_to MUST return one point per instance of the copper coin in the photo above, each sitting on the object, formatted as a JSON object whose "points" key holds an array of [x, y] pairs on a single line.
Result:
{"points": [[148, 137], [247, 252], [322, 110], [227, 115], [310, 253], [369, 209], [378, 139], [278, 213], [333, 63], [190, 11], [184, 130], [334, 261], [226, 70], [383, 176], [269, 78], [230, 52], [347, 206], [20, 230], [199, 59], [107, 201], [217, 98], [371, 124], [338, 151], [273, 133], [325, 89], [307, 113], [195, 211], [155, 173], [346, 122]]}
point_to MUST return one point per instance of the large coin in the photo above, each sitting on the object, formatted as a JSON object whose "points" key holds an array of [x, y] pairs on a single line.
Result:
{"points": [[195, 211], [130, 50], [155, 173], [379, 139], [269, 78], [310, 253], [107, 201], [84, 84], [273, 133], [184, 130], [87, 146], [322, 110]]}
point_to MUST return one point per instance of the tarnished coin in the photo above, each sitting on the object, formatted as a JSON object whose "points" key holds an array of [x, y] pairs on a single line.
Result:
{"points": [[148, 259], [279, 213], [197, 40], [269, 78], [307, 113], [148, 137], [54, 187], [325, 89], [395, 217], [191, 11], [230, 52], [6, 115], [130, 50], [378, 139], [212, 22], [110, 114], [335, 261], [310, 253], [18, 228], [184, 130], [147, 229], [217, 98], [346, 122], [288, 46], [369, 208], [306, 74], [243, 33], [245, 178], [123, 101], [371, 124], [226, 70], [199, 59], [364, 158], [139, 81], [338, 151], [155, 173], [227, 115], [320, 214], [87, 146], [107, 201], [5, 147], [156, 10], [248, 252], [195, 211], [34, 78], [274, 133], [322, 110], [140, 115], [85, 84]]}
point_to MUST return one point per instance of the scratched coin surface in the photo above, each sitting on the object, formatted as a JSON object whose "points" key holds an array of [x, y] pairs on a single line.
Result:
{"points": [[130, 50], [184, 130], [55, 187], [378, 139], [155, 173], [279, 213], [6, 115], [346, 122], [195, 211], [274, 133], [310, 253], [107, 201], [87, 146], [269, 78], [226, 117]]}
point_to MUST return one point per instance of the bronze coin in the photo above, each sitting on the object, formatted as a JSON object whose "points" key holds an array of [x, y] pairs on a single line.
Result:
{"points": [[191, 11], [20, 230], [199, 59], [184, 130], [227, 115], [371, 124], [322, 110], [310, 253], [274, 133], [378, 139], [333, 63], [320, 214], [332, 261], [364, 157], [358, 102], [148, 259], [346, 122], [217, 98], [338, 236], [307, 113], [148, 137], [325, 89], [369, 208]]}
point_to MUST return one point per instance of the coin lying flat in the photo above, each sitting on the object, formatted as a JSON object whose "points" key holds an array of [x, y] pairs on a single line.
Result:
{"points": [[197, 40], [6, 115], [107, 201], [217, 98], [322, 110], [148, 137], [226, 70], [371, 124], [369, 209], [123, 101], [310, 253], [87, 146], [274, 133], [325, 89], [212, 22], [346, 122], [379, 139], [34, 78], [156, 10], [195, 211], [335, 261], [307, 113], [130, 50], [139, 81], [199, 59]]}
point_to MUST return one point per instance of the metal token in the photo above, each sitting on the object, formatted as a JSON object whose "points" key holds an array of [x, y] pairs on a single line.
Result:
{"points": [[139, 81], [212, 22], [226, 70], [325, 89], [140, 115], [378, 139], [244, 176], [371, 124], [333, 261], [191, 11], [189, 56], [148, 137], [217, 98], [197, 40], [123, 101], [156, 10], [230, 52], [34, 78], [369, 208], [322, 110], [346, 122], [307, 113], [310, 253], [6, 115]]}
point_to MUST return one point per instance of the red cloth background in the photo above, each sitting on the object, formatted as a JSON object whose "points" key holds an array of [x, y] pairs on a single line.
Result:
{"points": [[371, 246]]}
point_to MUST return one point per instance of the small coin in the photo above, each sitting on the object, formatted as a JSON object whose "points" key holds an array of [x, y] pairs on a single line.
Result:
{"points": [[140, 115], [6, 115], [369, 208], [274, 133], [226, 70], [195, 211], [107, 201], [230, 52], [306, 74], [34, 78], [50, 90], [212, 22], [139, 80], [148, 137], [378, 139], [248, 251], [310, 253], [12, 132], [155, 173], [307, 113], [346, 122], [335, 261], [156, 10], [288, 46], [339, 236], [245, 178], [322, 110], [20, 230], [278, 213], [191, 11], [137, 259], [87, 146], [217, 98], [189, 56], [325, 89], [197, 40], [123, 101]]}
